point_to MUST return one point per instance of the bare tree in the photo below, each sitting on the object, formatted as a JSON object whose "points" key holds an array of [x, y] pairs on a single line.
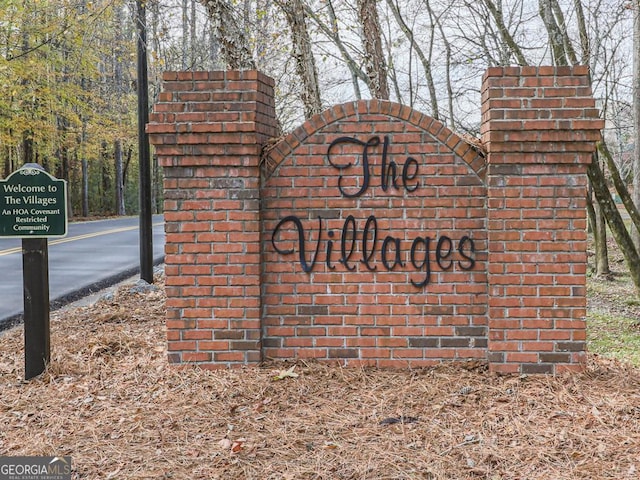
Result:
{"points": [[424, 59], [374, 61], [598, 228], [118, 64], [563, 53], [621, 188], [615, 222], [496, 12], [332, 31], [185, 34], [448, 59], [595, 212], [302, 52], [230, 34], [636, 114], [556, 39]]}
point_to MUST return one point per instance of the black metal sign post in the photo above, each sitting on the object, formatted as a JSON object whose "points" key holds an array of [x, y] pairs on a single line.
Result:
{"points": [[35, 268], [33, 206], [146, 227]]}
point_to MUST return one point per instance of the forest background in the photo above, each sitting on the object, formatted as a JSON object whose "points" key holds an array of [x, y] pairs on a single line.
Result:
{"points": [[68, 78]]}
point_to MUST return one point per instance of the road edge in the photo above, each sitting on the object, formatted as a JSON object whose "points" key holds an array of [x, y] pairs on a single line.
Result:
{"points": [[63, 300]]}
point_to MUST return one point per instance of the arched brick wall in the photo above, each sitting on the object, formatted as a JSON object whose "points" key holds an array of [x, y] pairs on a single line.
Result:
{"points": [[356, 303]]}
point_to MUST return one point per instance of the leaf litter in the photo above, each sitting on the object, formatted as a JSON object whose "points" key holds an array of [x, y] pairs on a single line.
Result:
{"points": [[110, 401]]}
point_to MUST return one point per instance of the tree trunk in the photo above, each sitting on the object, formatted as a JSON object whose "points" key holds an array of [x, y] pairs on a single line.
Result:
{"points": [[127, 162], [374, 61], [621, 188], [27, 148], [157, 184], [584, 35], [104, 185], [635, 234], [28, 155], [505, 35], [185, 35], [119, 190], [303, 55], [64, 170], [451, 121], [194, 34], [332, 32], [615, 222], [597, 227], [426, 61], [85, 187], [554, 33], [600, 237], [602, 249], [6, 153], [562, 29], [230, 35]]}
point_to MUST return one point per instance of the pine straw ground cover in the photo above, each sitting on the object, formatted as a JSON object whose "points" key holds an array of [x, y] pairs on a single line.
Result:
{"points": [[111, 402]]}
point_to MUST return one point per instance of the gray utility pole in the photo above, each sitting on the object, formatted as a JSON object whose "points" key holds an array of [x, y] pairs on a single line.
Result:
{"points": [[146, 228]]}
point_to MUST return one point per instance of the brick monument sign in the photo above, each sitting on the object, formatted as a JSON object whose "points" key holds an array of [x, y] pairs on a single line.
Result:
{"points": [[373, 234]]}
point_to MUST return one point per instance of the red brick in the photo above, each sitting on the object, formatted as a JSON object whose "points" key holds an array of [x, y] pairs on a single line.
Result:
{"points": [[215, 345], [173, 335], [197, 357], [228, 356], [197, 335], [180, 324], [512, 357], [504, 368], [175, 346]]}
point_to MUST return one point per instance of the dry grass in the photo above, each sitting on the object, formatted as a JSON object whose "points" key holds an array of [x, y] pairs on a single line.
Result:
{"points": [[111, 402]]}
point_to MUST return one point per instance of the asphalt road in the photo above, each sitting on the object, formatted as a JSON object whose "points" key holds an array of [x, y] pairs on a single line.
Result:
{"points": [[92, 256]]}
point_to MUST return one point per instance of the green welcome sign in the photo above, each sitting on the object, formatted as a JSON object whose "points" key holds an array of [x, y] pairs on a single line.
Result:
{"points": [[33, 204]]}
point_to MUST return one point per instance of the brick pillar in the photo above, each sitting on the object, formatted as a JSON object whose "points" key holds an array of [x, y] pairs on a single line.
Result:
{"points": [[539, 126], [208, 129]]}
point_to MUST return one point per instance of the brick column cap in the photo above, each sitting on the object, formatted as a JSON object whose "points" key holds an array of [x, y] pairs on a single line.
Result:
{"points": [[213, 118], [545, 111]]}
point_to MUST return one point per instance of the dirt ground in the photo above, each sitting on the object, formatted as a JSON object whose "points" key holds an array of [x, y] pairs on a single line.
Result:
{"points": [[111, 402]]}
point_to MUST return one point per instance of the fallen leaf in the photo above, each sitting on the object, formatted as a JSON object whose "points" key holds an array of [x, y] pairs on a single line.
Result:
{"points": [[237, 445], [286, 373]]}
